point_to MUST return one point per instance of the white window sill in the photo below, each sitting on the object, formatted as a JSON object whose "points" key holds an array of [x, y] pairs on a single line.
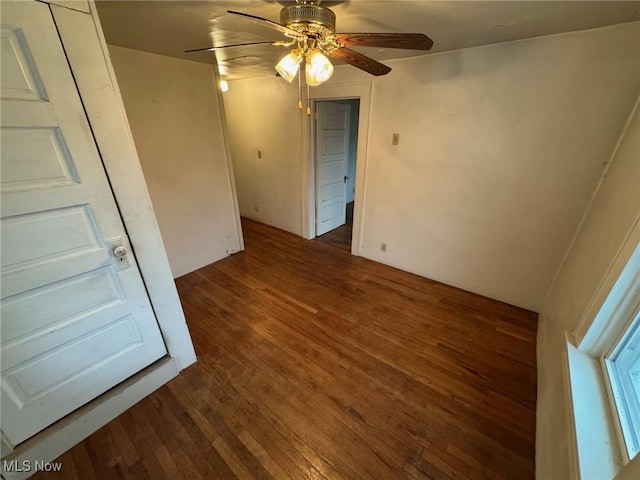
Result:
{"points": [[595, 441]]}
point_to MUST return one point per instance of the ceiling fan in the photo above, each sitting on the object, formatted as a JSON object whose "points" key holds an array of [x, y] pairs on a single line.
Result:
{"points": [[311, 30]]}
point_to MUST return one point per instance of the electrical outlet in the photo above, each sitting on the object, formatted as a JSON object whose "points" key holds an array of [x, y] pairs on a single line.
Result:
{"points": [[255, 207], [259, 154], [395, 139], [383, 247]]}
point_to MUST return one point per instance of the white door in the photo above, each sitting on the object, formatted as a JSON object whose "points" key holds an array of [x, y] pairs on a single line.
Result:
{"points": [[332, 152], [75, 318]]}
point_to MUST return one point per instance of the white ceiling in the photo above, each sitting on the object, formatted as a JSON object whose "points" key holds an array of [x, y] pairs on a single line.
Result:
{"points": [[170, 27]]}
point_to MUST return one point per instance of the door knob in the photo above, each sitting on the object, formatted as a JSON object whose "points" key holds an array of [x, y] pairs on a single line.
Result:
{"points": [[345, 179], [120, 250]]}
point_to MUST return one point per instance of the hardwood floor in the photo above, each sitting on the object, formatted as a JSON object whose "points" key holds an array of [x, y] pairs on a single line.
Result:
{"points": [[315, 364], [340, 238]]}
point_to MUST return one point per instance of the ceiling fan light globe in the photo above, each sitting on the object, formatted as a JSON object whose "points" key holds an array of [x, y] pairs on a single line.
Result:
{"points": [[318, 70], [288, 66]]}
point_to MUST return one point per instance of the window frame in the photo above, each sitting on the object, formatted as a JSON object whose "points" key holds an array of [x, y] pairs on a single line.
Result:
{"points": [[608, 317], [630, 447]]}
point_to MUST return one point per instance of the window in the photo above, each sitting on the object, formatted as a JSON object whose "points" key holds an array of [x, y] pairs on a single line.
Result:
{"points": [[622, 367], [604, 374]]}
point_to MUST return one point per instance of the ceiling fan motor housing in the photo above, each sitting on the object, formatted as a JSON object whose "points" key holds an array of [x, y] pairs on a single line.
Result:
{"points": [[309, 18]]}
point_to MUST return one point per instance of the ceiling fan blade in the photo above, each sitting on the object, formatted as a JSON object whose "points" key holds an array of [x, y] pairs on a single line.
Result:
{"points": [[211, 49], [360, 61], [409, 41], [268, 23]]}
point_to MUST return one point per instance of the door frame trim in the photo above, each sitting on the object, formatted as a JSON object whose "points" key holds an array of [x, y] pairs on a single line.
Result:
{"points": [[317, 104], [88, 56], [363, 92]]}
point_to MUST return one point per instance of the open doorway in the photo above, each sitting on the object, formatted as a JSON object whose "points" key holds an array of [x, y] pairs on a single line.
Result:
{"points": [[359, 92], [335, 140]]}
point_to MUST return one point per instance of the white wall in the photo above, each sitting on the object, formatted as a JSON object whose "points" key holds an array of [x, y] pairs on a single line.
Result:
{"points": [[172, 107], [263, 116], [501, 147], [615, 208]]}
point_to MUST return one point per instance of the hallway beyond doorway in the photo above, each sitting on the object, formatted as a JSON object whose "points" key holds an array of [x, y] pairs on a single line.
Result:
{"points": [[341, 236]]}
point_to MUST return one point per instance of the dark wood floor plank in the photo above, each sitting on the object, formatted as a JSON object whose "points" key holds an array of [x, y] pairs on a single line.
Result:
{"points": [[315, 364], [124, 446], [144, 448], [82, 462], [284, 441], [104, 459], [278, 447], [473, 414]]}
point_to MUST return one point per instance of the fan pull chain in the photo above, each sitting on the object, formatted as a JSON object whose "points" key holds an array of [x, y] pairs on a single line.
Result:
{"points": [[299, 92], [308, 102]]}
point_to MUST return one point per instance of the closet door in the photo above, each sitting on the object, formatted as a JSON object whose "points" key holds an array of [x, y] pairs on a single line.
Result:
{"points": [[74, 312]]}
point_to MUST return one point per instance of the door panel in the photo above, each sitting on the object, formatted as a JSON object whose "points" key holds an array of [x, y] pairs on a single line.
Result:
{"points": [[18, 79], [27, 378], [101, 291], [332, 151], [76, 320], [35, 158], [72, 246]]}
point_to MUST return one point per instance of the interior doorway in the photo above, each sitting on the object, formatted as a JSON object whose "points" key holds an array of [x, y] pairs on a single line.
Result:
{"points": [[335, 140], [362, 93]]}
